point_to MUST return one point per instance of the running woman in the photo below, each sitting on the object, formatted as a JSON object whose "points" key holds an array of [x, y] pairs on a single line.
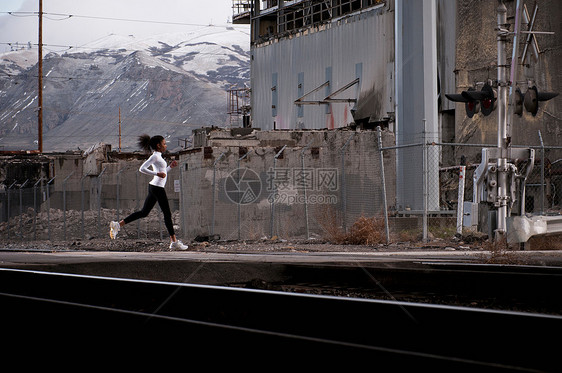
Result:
{"points": [[155, 166]]}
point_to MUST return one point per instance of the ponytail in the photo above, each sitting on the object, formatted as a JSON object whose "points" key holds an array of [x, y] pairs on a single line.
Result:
{"points": [[147, 143], [144, 142]]}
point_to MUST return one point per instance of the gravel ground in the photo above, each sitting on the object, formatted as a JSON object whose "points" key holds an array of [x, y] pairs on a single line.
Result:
{"points": [[481, 250], [48, 232], [263, 245], [92, 226]]}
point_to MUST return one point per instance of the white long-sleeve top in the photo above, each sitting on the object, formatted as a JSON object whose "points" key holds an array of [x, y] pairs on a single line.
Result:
{"points": [[158, 165]]}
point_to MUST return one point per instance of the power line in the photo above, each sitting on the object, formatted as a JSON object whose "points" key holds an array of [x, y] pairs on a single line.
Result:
{"points": [[239, 28], [69, 47], [21, 14], [68, 16]]}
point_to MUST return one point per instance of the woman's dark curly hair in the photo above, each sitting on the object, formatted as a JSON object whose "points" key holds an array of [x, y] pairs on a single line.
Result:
{"points": [[147, 143]]}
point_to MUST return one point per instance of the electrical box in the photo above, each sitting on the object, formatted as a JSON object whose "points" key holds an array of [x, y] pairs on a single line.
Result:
{"points": [[470, 215]]}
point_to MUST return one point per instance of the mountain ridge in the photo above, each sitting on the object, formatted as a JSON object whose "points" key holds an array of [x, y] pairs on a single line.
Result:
{"points": [[166, 84]]}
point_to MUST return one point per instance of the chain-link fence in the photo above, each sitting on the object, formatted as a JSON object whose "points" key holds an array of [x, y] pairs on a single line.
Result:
{"points": [[445, 187], [337, 188], [316, 190], [543, 191], [78, 207]]}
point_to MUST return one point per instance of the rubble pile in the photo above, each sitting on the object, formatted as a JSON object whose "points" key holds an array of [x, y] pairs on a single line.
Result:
{"points": [[55, 225]]}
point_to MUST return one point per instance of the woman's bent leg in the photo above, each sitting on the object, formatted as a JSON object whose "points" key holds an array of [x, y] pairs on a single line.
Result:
{"points": [[149, 203]]}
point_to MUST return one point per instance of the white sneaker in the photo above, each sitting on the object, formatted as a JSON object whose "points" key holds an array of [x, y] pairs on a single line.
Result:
{"points": [[178, 245], [114, 228]]}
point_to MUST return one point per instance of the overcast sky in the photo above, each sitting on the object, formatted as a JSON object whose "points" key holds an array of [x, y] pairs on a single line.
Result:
{"points": [[77, 31]]}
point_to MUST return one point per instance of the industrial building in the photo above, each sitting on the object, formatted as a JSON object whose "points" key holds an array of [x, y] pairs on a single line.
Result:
{"points": [[369, 63], [336, 64]]}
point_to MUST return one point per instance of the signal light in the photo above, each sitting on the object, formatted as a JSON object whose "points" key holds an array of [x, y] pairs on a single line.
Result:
{"points": [[487, 97], [472, 106], [485, 100], [532, 98]]}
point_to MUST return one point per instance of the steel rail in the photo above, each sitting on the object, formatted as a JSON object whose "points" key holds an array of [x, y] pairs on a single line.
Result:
{"points": [[277, 323]]}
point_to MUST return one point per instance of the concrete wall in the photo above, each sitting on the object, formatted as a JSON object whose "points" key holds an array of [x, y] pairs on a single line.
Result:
{"points": [[320, 175]]}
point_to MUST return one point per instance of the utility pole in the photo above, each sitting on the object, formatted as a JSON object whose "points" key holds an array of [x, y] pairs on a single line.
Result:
{"points": [[40, 80], [119, 129], [505, 111], [502, 165]]}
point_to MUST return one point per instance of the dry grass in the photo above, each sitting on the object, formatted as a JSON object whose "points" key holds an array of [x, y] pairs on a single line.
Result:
{"points": [[328, 220], [364, 231], [501, 252]]}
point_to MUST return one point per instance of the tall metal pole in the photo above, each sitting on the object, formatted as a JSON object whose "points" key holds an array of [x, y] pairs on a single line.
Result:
{"points": [[305, 196], [502, 120], [40, 80], [425, 182], [514, 66], [381, 156], [119, 129]]}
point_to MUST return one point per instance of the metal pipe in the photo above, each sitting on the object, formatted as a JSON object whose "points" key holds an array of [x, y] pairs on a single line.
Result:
{"points": [[385, 203], [305, 196], [137, 203], [460, 199], [40, 80], [214, 180], [239, 204], [82, 204], [182, 204], [35, 207], [118, 185], [99, 199], [64, 203], [21, 207], [514, 66], [542, 172], [272, 217], [8, 195], [344, 189], [468, 145], [425, 182], [49, 208], [502, 120]]}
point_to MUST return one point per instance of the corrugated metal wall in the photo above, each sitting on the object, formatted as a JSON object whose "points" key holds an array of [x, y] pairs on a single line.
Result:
{"points": [[358, 46]]}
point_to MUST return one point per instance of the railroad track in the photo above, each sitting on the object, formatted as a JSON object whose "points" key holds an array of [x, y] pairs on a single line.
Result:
{"points": [[503, 287], [275, 324]]}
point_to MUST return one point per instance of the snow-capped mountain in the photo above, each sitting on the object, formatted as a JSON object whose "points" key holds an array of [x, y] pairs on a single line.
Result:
{"points": [[165, 84]]}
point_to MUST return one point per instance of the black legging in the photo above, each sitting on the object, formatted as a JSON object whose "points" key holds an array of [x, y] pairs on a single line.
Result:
{"points": [[155, 193]]}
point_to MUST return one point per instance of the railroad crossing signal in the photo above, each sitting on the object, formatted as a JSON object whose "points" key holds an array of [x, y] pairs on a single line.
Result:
{"points": [[532, 98], [485, 100], [475, 101], [472, 106]]}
